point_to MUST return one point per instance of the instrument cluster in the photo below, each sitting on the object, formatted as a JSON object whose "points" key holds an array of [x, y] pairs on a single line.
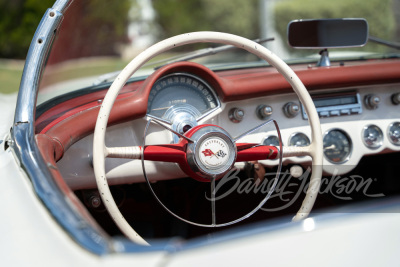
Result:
{"points": [[355, 122]]}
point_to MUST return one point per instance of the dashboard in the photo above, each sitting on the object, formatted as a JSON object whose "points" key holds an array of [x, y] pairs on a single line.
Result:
{"points": [[348, 133], [356, 121]]}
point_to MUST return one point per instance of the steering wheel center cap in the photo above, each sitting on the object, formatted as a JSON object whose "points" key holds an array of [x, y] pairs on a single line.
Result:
{"points": [[214, 153]]}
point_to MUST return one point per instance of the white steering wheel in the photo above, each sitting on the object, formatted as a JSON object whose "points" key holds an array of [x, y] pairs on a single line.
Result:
{"points": [[189, 162]]}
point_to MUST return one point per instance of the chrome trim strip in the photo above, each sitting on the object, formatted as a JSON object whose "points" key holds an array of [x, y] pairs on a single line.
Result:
{"points": [[34, 65], [62, 5]]}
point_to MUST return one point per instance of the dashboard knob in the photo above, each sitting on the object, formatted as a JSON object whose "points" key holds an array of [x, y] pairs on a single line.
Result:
{"points": [[372, 101], [236, 115], [264, 111], [291, 109], [396, 98], [296, 171]]}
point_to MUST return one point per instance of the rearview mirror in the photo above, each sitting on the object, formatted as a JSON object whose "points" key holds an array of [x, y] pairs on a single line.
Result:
{"points": [[327, 33]]}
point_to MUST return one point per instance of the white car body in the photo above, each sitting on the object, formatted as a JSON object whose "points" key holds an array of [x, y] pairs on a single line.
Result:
{"points": [[32, 234]]}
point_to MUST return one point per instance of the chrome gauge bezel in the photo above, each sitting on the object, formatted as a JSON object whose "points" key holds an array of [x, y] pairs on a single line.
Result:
{"points": [[210, 89], [350, 145], [272, 135], [388, 133], [298, 134], [379, 144]]}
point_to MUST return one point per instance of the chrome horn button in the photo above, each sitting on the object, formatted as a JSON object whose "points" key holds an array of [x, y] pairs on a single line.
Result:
{"points": [[212, 153]]}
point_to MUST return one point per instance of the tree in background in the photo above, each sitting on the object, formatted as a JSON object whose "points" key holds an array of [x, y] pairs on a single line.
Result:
{"points": [[233, 16], [90, 27], [106, 21], [19, 20]]}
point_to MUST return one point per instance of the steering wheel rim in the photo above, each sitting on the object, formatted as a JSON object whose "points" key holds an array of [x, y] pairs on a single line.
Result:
{"points": [[315, 149]]}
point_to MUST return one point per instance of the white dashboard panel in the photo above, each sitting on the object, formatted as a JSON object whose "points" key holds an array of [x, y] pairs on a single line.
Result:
{"points": [[79, 157], [352, 125]]}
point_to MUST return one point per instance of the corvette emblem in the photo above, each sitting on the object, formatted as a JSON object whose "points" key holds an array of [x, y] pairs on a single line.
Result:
{"points": [[221, 154], [209, 153], [213, 152]]}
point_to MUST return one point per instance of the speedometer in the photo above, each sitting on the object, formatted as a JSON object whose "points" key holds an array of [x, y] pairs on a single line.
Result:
{"points": [[181, 90]]}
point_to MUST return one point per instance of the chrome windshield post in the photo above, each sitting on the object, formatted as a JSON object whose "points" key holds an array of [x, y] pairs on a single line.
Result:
{"points": [[34, 65], [27, 151]]}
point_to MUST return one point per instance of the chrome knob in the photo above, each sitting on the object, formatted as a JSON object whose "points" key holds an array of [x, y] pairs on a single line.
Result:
{"points": [[372, 101], [396, 98], [236, 115], [264, 111], [291, 109]]}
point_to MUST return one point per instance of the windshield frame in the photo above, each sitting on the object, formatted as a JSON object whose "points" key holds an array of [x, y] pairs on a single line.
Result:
{"points": [[84, 231]]}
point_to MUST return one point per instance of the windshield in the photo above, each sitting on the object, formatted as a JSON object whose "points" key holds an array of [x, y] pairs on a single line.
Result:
{"points": [[98, 38]]}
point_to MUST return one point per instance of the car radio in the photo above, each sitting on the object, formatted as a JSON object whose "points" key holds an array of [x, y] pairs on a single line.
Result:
{"points": [[331, 105]]}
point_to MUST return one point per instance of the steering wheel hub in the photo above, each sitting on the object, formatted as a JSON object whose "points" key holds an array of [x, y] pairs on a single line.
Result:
{"points": [[213, 151]]}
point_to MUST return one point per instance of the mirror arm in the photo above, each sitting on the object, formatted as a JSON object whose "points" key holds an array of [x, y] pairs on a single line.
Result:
{"points": [[324, 60]]}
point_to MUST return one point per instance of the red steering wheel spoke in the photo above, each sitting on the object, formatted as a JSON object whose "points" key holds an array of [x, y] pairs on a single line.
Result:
{"points": [[165, 153], [254, 152], [208, 156]]}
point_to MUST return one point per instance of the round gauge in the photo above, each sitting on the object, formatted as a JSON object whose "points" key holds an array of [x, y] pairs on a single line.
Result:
{"points": [[271, 140], [299, 139], [337, 146], [372, 136], [394, 133], [181, 89]]}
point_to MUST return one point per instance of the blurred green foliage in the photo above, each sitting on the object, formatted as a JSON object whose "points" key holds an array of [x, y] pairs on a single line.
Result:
{"points": [[109, 18], [378, 13], [19, 19], [104, 21], [233, 16], [10, 75]]}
